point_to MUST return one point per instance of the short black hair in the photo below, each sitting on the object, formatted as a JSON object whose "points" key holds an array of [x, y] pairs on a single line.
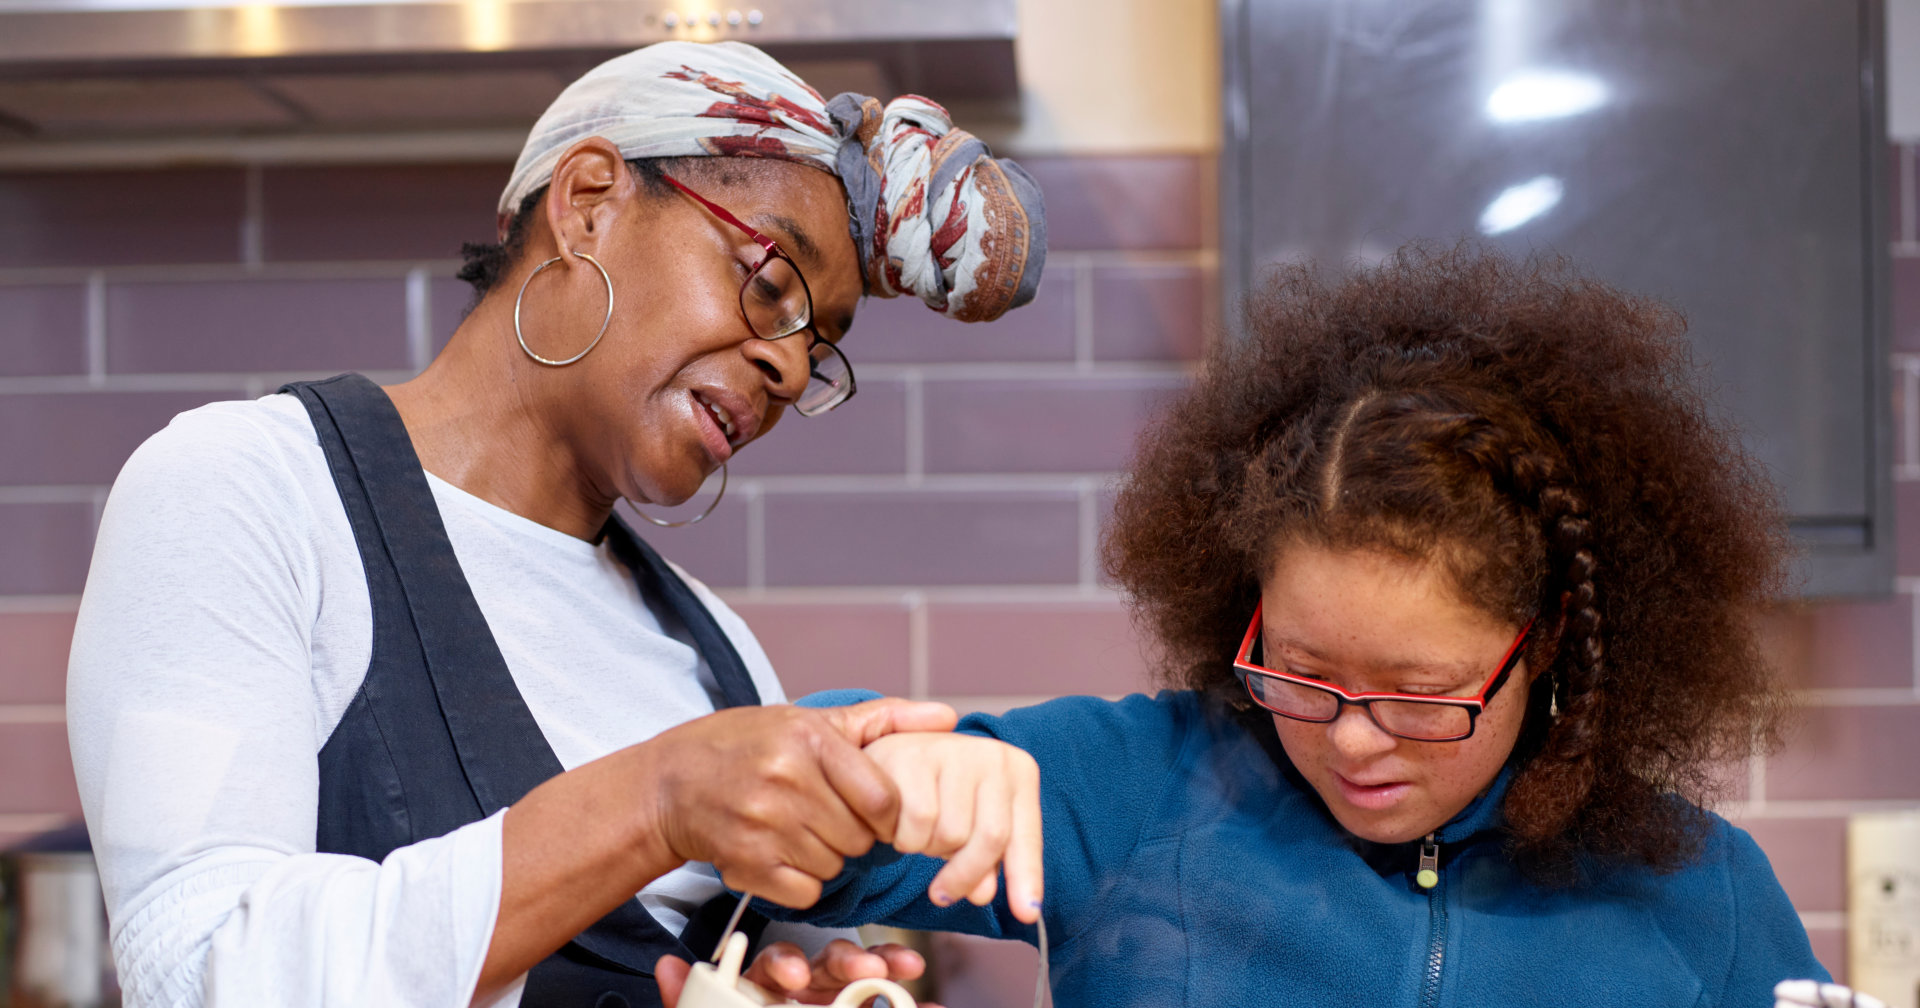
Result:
{"points": [[486, 262]]}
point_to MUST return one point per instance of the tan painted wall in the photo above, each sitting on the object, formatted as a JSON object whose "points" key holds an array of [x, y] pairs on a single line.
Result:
{"points": [[1100, 76]]}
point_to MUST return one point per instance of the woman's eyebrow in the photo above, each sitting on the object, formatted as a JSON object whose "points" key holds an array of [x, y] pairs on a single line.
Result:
{"points": [[796, 236], [803, 246]]}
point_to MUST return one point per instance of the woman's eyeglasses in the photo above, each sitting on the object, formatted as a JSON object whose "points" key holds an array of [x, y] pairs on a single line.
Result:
{"points": [[776, 303], [1413, 716]]}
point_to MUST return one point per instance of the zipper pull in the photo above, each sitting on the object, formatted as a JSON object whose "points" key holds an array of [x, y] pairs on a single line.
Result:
{"points": [[1429, 874]]}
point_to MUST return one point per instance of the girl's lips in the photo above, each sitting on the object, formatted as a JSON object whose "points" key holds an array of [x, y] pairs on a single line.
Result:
{"points": [[711, 435], [1372, 797]]}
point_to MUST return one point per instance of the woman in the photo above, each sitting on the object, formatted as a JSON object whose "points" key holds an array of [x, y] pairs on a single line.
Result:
{"points": [[373, 701], [1456, 574]]}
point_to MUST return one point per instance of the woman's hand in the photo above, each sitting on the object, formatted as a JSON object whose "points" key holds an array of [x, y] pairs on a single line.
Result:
{"points": [[776, 797], [784, 970], [974, 801]]}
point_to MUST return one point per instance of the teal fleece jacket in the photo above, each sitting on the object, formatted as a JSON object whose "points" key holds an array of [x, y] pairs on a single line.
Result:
{"points": [[1188, 864]]}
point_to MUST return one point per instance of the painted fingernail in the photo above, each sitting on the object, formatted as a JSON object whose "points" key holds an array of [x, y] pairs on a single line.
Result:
{"points": [[1034, 904], [940, 898]]}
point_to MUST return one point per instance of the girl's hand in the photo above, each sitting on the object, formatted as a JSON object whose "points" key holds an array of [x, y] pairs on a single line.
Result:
{"points": [[784, 970], [974, 801], [1811, 994]]}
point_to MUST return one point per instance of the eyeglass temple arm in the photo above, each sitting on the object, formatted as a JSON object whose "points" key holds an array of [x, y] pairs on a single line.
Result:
{"points": [[1514, 654], [721, 212]]}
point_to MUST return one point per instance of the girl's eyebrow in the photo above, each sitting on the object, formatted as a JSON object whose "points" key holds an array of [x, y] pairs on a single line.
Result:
{"points": [[1459, 670]]}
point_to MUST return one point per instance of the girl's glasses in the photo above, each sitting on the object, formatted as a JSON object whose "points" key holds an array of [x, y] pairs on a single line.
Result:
{"points": [[776, 303], [1413, 716]]}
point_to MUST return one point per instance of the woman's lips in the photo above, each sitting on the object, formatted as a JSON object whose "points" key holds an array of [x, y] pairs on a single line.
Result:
{"points": [[711, 434], [1372, 797]]}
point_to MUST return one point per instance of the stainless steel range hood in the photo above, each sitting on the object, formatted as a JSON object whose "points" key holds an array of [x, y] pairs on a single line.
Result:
{"points": [[145, 81]]}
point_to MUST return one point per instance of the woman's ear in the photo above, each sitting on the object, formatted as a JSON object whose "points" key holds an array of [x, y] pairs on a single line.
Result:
{"points": [[590, 185]]}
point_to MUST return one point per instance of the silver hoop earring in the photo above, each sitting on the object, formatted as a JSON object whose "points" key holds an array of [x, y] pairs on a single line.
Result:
{"points": [[695, 520], [522, 296]]}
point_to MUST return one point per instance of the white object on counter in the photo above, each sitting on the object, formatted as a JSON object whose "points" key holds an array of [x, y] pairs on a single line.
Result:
{"points": [[1883, 906]]}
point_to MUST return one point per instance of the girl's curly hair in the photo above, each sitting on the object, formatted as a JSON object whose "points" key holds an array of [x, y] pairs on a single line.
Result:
{"points": [[1541, 437]]}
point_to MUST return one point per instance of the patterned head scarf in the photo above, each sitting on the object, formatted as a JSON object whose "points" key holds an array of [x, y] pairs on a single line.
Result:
{"points": [[933, 213]]}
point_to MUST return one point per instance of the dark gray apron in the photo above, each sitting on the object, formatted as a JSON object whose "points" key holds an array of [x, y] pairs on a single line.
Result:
{"points": [[438, 735]]}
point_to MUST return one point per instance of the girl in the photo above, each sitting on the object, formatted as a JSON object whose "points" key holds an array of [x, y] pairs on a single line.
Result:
{"points": [[1454, 574]]}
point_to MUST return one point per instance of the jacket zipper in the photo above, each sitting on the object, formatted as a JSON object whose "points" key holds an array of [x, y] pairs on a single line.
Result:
{"points": [[1428, 877]]}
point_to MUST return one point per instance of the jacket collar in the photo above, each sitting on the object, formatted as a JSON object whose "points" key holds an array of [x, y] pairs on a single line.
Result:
{"points": [[1478, 823]]}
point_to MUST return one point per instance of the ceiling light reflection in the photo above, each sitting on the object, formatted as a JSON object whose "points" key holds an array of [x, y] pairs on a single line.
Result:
{"points": [[1545, 94], [1521, 203]]}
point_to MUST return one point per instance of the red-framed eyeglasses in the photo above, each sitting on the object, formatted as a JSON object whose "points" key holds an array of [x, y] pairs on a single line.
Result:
{"points": [[1415, 716], [776, 303]]}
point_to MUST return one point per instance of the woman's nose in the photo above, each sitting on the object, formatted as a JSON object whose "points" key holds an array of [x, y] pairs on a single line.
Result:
{"points": [[785, 363]]}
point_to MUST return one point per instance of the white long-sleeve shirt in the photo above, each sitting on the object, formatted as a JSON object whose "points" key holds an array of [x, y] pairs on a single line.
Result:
{"points": [[224, 630]]}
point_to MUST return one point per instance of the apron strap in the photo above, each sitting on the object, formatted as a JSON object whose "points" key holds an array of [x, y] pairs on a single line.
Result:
{"points": [[500, 750]]}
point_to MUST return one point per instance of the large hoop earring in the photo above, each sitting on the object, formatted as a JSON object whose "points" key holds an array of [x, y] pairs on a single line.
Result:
{"points": [[596, 336], [695, 520]]}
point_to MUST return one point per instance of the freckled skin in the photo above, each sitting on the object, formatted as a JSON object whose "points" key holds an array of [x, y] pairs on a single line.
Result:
{"points": [[1363, 613]]}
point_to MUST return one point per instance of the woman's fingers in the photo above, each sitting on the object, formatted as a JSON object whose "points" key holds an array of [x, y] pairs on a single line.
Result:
{"points": [[867, 791], [782, 884], [799, 793], [902, 962], [843, 962], [862, 723], [671, 974], [781, 966]]}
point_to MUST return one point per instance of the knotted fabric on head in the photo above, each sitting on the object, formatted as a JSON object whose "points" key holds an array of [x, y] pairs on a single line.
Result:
{"points": [[932, 212]]}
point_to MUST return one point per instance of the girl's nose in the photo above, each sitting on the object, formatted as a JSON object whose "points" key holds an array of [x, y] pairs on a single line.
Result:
{"points": [[1355, 734]]}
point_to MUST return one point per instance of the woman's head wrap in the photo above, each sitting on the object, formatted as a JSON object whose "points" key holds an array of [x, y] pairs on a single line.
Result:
{"points": [[933, 212]]}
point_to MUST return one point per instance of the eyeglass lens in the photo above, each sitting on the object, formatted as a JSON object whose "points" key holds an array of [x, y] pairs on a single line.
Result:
{"points": [[1407, 718], [777, 304]]}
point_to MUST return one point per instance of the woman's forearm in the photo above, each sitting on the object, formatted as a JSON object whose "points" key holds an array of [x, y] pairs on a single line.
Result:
{"points": [[573, 849]]}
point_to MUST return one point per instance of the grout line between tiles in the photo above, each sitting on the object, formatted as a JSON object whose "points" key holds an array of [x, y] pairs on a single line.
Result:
{"points": [[1083, 317], [56, 384], [1823, 920], [39, 603], [1808, 808], [933, 594], [919, 648], [1013, 371], [419, 319], [1909, 366], [252, 220], [12, 714], [756, 537], [32, 822], [916, 426], [1089, 532], [357, 269], [1859, 696], [1908, 227], [96, 323], [53, 494]]}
